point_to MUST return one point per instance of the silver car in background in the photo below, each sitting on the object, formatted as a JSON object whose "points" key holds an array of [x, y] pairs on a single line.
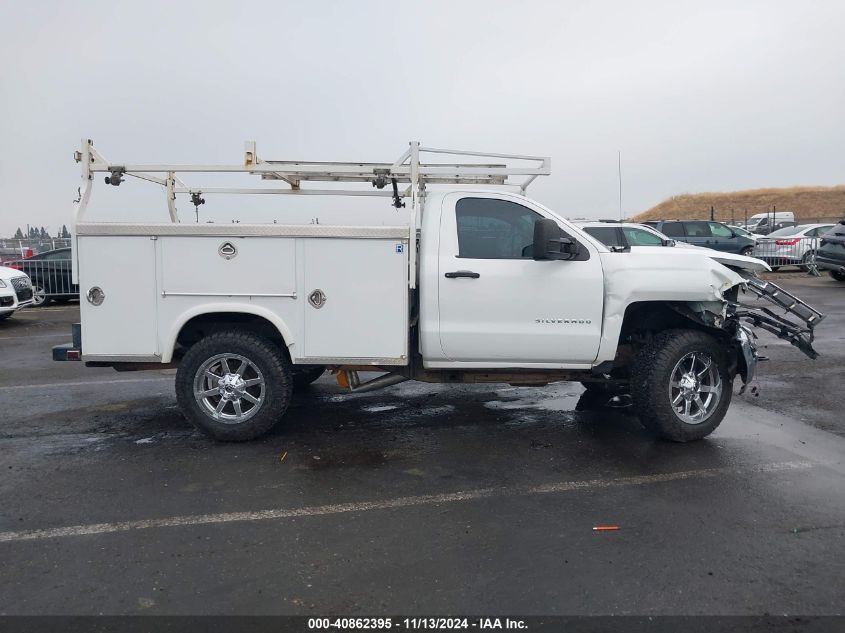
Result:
{"points": [[791, 246]]}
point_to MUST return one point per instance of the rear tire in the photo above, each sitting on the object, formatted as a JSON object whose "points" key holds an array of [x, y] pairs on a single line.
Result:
{"points": [[304, 375], [837, 275], [681, 386], [250, 375]]}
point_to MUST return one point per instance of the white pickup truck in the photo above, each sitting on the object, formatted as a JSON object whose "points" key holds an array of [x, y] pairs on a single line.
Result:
{"points": [[478, 285]]}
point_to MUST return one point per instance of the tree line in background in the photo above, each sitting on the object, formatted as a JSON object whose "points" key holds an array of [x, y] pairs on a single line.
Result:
{"points": [[35, 233]]}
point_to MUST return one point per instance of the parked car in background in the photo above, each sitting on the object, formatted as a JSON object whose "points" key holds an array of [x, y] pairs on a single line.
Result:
{"points": [[50, 273], [744, 232], [831, 252], [777, 226], [705, 233], [766, 223], [15, 291], [791, 246], [625, 234]]}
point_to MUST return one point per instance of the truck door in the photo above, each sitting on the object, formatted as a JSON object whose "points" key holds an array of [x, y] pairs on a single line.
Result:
{"points": [[499, 306]]}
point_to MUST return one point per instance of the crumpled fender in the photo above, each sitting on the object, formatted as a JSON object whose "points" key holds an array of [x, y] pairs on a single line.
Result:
{"points": [[659, 274], [696, 283]]}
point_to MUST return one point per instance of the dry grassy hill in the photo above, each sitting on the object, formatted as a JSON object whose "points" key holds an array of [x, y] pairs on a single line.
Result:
{"points": [[810, 204]]}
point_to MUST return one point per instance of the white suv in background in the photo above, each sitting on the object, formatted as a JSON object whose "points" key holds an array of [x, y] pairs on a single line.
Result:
{"points": [[626, 234], [15, 291]]}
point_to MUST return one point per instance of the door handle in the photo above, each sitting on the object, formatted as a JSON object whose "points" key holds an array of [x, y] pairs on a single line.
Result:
{"points": [[468, 274]]}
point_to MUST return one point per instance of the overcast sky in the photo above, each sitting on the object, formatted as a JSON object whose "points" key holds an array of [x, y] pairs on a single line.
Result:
{"points": [[698, 96]]}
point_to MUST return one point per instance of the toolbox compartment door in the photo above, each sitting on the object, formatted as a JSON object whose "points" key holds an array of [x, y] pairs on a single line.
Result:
{"points": [[364, 315], [124, 268]]}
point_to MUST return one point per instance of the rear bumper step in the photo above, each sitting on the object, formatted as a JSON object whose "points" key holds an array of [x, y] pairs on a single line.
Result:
{"points": [[67, 352], [70, 351]]}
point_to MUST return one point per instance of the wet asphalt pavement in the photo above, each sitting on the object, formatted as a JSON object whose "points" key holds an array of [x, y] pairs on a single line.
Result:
{"points": [[419, 499]]}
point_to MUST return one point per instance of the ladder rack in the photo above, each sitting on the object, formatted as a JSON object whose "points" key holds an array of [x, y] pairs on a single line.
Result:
{"points": [[384, 178]]}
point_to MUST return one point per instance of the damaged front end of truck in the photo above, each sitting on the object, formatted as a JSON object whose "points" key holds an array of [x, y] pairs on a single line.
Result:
{"points": [[777, 311], [758, 304]]}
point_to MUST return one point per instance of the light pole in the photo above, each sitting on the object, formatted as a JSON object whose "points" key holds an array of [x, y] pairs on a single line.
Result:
{"points": [[619, 170]]}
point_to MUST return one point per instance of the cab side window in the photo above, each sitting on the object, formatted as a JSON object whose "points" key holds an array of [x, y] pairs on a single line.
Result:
{"points": [[494, 229]]}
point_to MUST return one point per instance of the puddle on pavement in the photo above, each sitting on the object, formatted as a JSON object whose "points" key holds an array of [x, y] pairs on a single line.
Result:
{"points": [[413, 402], [562, 397]]}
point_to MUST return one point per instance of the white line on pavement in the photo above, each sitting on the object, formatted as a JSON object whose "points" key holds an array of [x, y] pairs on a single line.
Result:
{"points": [[50, 385], [389, 504]]}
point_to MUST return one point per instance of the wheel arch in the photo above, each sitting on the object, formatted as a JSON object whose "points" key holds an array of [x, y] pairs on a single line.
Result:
{"points": [[649, 317], [201, 320], [657, 316]]}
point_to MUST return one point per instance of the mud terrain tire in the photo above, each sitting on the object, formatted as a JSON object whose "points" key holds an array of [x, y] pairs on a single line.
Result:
{"points": [[268, 367], [678, 366]]}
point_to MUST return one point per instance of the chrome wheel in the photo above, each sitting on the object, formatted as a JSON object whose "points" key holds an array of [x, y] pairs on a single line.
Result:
{"points": [[695, 388], [230, 388], [39, 294]]}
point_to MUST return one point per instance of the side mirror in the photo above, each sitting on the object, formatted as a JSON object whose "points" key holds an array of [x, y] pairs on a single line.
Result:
{"points": [[550, 242], [669, 242]]}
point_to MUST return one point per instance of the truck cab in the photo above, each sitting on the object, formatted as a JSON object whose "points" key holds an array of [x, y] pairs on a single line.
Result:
{"points": [[486, 302]]}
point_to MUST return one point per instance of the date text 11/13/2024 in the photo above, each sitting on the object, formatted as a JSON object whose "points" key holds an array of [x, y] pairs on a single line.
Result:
{"points": [[439, 623]]}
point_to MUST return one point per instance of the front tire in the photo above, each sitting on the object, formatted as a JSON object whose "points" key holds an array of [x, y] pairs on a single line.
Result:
{"points": [[681, 385], [747, 251], [234, 386], [838, 276]]}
